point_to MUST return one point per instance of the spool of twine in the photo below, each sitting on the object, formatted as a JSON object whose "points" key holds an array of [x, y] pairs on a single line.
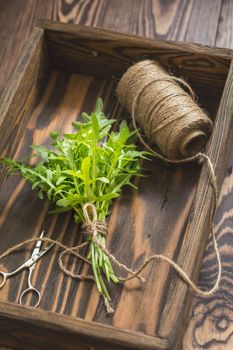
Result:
{"points": [[167, 113]]}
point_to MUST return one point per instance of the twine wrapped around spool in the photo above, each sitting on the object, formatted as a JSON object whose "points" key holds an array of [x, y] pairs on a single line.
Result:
{"points": [[167, 113]]}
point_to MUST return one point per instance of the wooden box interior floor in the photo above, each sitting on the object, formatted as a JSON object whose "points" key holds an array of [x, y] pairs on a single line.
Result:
{"points": [[153, 219], [142, 222]]}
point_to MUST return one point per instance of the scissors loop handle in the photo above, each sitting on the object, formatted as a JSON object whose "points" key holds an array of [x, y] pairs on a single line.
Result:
{"points": [[30, 290], [3, 276]]}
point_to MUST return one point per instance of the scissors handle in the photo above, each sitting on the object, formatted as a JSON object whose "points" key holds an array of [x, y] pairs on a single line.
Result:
{"points": [[30, 290], [3, 277]]}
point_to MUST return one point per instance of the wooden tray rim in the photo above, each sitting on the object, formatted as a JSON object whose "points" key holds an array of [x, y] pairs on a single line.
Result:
{"points": [[101, 34]]}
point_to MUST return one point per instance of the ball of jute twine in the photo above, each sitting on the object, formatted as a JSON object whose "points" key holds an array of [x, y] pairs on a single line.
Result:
{"points": [[166, 112]]}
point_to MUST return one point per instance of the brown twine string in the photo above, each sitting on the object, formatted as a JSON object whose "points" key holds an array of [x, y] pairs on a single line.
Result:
{"points": [[93, 224], [67, 249], [92, 227], [159, 257]]}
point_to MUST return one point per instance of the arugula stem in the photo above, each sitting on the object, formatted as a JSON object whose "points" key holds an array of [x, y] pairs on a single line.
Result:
{"points": [[101, 265], [94, 268], [104, 288]]}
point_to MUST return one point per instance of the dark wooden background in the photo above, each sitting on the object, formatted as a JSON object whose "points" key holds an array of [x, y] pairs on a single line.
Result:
{"points": [[209, 22]]}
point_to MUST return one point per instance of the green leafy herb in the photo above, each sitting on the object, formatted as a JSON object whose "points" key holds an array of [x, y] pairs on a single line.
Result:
{"points": [[88, 166]]}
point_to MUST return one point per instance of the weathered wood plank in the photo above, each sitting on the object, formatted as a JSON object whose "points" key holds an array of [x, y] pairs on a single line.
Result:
{"points": [[17, 18], [23, 88], [105, 54], [46, 330], [210, 323]]}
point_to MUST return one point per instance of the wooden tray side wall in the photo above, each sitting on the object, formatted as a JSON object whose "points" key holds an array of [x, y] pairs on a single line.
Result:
{"points": [[108, 54], [45, 330], [193, 245], [21, 92]]}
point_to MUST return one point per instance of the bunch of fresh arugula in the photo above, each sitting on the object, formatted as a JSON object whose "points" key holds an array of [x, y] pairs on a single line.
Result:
{"points": [[88, 166]]}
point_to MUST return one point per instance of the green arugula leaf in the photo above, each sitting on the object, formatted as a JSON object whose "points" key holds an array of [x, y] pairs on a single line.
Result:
{"points": [[89, 165]]}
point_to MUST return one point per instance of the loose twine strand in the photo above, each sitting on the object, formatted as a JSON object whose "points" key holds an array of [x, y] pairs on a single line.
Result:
{"points": [[93, 228]]}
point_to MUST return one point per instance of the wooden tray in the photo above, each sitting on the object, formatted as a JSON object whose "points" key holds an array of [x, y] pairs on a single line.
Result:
{"points": [[61, 72]]}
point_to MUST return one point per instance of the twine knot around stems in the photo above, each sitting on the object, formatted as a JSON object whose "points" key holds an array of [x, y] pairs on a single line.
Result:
{"points": [[96, 227], [92, 225]]}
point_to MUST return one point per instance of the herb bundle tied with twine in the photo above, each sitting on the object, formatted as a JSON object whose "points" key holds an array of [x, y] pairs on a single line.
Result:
{"points": [[84, 171]]}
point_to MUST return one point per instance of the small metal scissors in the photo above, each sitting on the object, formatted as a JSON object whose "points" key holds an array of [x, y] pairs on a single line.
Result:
{"points": [[29, 264]]}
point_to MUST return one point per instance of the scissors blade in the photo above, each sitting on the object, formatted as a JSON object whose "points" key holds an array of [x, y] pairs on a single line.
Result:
{"points": [[38, 245], [44, 251], [32, 261]]}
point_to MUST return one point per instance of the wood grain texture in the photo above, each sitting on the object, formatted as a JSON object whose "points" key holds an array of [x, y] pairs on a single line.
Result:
{"points": [[167, 19], [63, 98], [210, 321], [45, 330], [22, 89], [99, 55], [17, 18], [174, 20]]}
